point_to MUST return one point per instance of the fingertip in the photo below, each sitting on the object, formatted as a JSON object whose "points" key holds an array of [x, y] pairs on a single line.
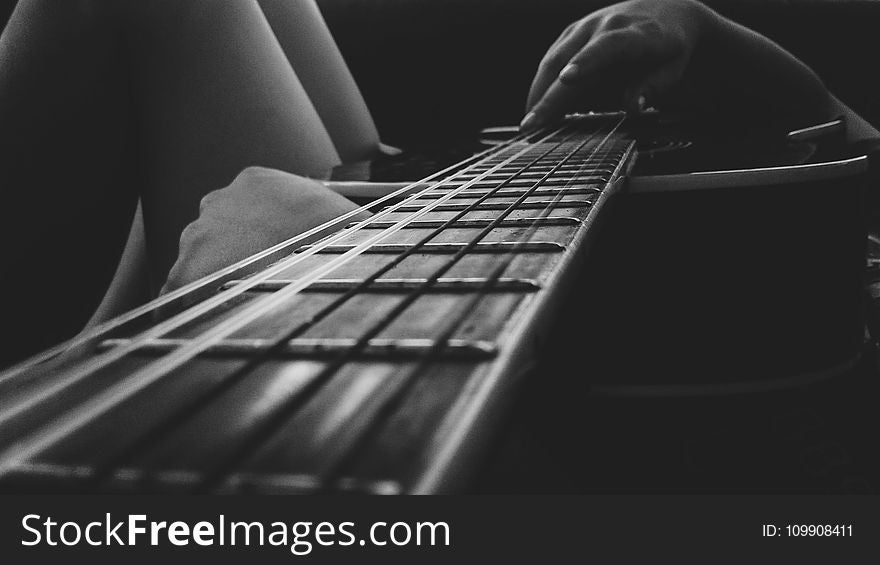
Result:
{"points": [[530, 123]]}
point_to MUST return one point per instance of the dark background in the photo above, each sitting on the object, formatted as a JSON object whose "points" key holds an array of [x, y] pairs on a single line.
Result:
{"points": [[433, 67], [447, 67], [436, 67]]}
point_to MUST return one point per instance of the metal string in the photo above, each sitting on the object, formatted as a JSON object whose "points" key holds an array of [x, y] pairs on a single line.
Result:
{"points": [[335, 472], [215, 279], [183, 412], [82, 414], [283, 413], [207, 306]]}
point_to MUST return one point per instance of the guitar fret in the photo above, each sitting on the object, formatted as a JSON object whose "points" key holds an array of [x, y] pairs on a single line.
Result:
{"points": [[397, 285], [600, 154], [547, 165], [477, 223], [438, 193], [129, 479], [540, 172], [274, 483], [540, 177], [383, 348], [553, 161], [540, 205], [294, 483], [590, 181], [444, 248], [554, 165]]}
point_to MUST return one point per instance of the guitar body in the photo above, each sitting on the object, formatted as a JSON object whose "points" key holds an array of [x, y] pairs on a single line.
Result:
{"points": [[386, 357], [735, 285], [727, 353]]}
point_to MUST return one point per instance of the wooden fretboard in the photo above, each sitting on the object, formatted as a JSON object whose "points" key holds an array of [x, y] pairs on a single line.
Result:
{"points": [[373, 360]]}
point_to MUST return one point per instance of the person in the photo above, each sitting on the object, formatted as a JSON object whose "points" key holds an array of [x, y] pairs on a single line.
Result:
{"points": [[193, 99]]}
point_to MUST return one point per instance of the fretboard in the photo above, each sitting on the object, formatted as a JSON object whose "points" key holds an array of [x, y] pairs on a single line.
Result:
{"points": [[373, 360]]}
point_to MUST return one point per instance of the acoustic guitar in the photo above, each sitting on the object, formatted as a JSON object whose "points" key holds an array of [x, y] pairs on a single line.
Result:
{"points": [[382, 356]]}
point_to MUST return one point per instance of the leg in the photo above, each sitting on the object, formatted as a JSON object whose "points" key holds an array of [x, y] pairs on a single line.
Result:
{"points": [[216, 94], [63, 151], [313, 54]]}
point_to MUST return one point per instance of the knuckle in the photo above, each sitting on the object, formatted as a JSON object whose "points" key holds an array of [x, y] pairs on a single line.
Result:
{"points": [[616, 21], [206, 201], [624, 38], [553, 59], [583, 25], [193, 235], [583, 29], [253, 172], [650, 27]]}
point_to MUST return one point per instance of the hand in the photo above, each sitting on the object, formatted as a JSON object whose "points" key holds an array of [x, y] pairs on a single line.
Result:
{"points": [[634, 52], [262, 207], [676, 53]]}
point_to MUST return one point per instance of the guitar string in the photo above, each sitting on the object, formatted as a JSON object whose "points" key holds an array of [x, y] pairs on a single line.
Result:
{"points": [[262, 434], [215, 279], [559, 195], [330, 478], [80, 415], [185, 411], [210, 304], [188, 410], [97, 363]]}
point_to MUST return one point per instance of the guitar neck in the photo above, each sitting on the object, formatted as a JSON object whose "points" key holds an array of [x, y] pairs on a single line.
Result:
{"points": [[375, 360]]}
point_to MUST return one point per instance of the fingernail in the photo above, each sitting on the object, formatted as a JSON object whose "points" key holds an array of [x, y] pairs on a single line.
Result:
{"points": [[530, 122], [570, 72]]}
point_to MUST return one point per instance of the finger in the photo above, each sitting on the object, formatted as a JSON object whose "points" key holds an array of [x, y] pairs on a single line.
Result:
{"points": [[558, 55], [583, 72], [624, 50], [571, 41], [632, 50]]}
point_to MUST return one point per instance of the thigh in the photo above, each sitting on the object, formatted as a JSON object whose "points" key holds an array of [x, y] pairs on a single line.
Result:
{"points": [[313, 54], [216, 95]]}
